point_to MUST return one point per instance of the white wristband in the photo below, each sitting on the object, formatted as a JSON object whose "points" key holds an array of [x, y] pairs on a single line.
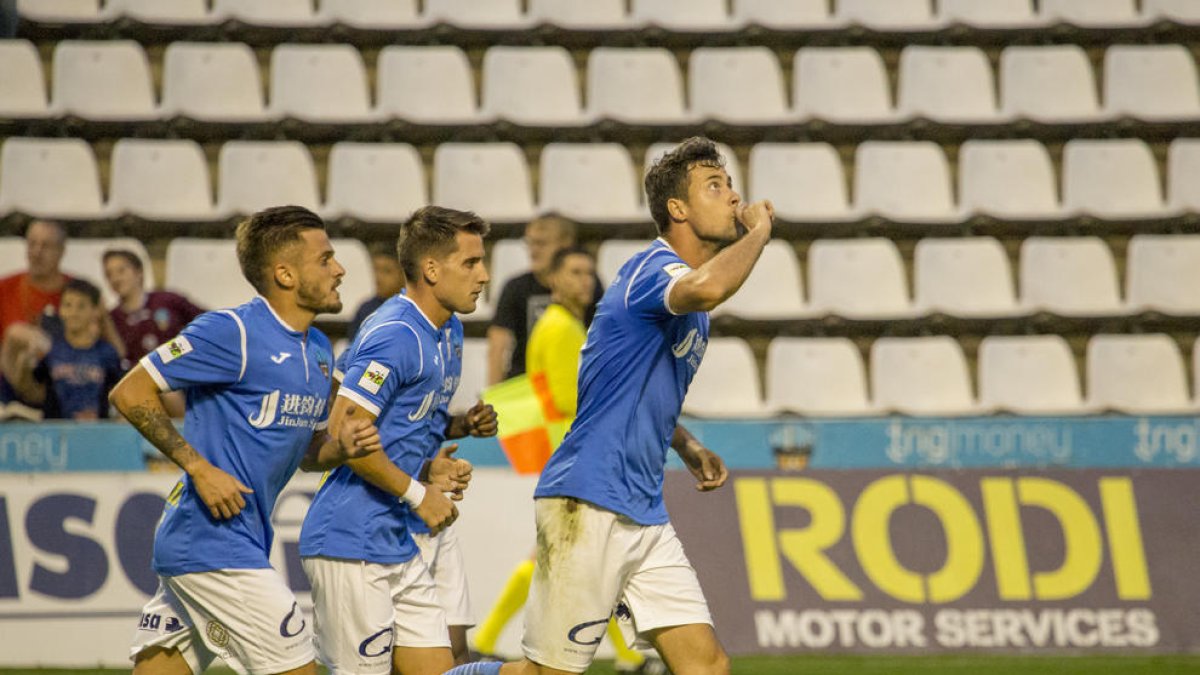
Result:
{"points": [[414, 494]]}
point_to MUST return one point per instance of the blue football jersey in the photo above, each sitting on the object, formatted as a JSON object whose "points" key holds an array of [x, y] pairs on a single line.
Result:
{"points": [[634, 372], [257, 390], [398, 368]]}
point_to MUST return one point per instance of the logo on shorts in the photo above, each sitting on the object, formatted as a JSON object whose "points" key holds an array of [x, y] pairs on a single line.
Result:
{"points": [[287, 620], [584, 629], [217, 634], [173, 625], [376, 645]]}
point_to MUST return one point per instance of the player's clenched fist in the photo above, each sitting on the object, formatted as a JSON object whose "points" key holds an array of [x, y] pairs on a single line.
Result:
{"points": [[437, 511], [448, 473], [756, 214]]}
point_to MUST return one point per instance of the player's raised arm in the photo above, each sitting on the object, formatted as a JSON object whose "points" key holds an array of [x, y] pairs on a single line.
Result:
{"points": [[705, 465], [714, 282]]}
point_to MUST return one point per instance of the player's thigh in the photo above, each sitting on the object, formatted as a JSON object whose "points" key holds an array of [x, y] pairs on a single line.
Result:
{"points": [[459, 648], [161, 661], [421, 660], [691, 649], [354, 615], [420, 621], [165, 641], [663, 591], [449, 572]]}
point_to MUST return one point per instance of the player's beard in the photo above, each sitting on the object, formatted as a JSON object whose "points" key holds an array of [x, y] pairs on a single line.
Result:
{"points": [[311, 297]]}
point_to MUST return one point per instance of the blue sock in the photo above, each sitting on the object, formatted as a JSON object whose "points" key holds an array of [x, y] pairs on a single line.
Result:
{"points": [[492, 668]]}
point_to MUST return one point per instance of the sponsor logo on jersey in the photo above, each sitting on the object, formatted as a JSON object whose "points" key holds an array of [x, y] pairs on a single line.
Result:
{"points": [[174, 349], [289, 410], [424, 408], [280, 357], [373, 377], [680, 349]]}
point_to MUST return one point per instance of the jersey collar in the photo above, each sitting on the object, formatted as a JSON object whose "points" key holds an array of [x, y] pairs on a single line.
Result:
{"points": [[665, 243], [278, 318], [432, 326]]}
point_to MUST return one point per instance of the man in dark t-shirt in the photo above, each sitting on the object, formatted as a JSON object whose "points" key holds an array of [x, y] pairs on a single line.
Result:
{"points": [[143, 320]]}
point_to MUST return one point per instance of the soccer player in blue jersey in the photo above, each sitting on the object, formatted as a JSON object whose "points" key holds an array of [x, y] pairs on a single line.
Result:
{"points": [[377, 609], [257, 379], [604, 542]]}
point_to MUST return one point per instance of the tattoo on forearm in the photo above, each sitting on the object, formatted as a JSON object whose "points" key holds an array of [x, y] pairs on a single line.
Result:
{"points": [[154, 424]]}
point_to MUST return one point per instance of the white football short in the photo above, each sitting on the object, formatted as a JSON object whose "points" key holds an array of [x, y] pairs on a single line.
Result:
{"points": [[248, 617], [443, 556], [363, 609], [591, 563]]}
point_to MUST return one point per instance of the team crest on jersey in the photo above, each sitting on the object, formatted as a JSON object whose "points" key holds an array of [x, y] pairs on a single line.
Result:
{"points": [[676, 270], [374, 376], [174, 349]]}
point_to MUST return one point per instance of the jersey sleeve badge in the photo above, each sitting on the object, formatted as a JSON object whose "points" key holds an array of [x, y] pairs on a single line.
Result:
{"points": [[373, 377], [174, 349], [676, 270]]}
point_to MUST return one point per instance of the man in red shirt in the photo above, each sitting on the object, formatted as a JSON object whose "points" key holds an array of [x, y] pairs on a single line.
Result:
{"points": [[144, 320], [24, 296]]}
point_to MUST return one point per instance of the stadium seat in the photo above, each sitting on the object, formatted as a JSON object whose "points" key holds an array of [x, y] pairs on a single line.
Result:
{"points": [[371, 14], [782, 16], [682, 15], [474, 375], [270, 13], [1029, 375], [590, 182], [60, 11], [1073, 276], [904, 180], [258, 174], [738, 85], [23, 87], [889, 15], [1114, 179], [732, 166], [1183, 174], [638, 86], [612, 254], [477, 14], [12, 255], [1092, 13], [1137, 374], [947, 84], [84, 258], [726, 384], [102, 80], [491, 179], [804, 181], [1151, 82], [773, 291], [320, 83], [816, 376], [847, 85], [1049, 84], [510, 258], [207, 271], [427, 85], [989, 14], [159, 13], [964, 277], [375, 182], [357, 285], [1162, 273], [857, 279], [212, 82], [534, 86], [1183, 11], [50, 177], [1007, 180], [164, 180], [921, 376], [595, 15]]}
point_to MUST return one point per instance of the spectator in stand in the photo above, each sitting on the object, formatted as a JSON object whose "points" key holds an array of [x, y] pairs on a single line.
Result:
{"points": [[389, 279], [143, 319], [26, 296]]}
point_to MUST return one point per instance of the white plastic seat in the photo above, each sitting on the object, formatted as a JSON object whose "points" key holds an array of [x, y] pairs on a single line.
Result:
{"points": [[273, 13], [426, 84], [531, 85], [371, 14], [726, 384], [474, 375], [1007, 179], [804, 181], [732, 166], [1115, 179], [254, 175], [904, 180], [103, 80], [491, 179], [857, 279], [921, 376], [1162, 273], [161, 180], [613, 253], [1072, 276], [1029, 375], [889, 15], [1183, 174], [12, 255], [782, 14], [510, 258], [208, 270], [963, 276], [357, 286], [739, 85], [773, 291], [591, 15], [1092, 13], [947, 84], [61, 11], [50, 177], [375, 182], [1137, 374], [641, 86], [590, 182], [1052, 83], [212, 82], [842, 84], [816, 376], [485, 14], [320, 83], [989, 14], [23, 87], [84, 258], [1183, 11], [157, 12], [682, 15], [1151, 82]]}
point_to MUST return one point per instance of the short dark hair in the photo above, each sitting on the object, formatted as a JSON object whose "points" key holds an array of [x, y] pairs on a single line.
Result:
{"points": [[382, 249], [83, 287], [124, 254], [56, 225], [432, 231], [261, 236], [668, 177], [561, 255], [566, 227]]}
